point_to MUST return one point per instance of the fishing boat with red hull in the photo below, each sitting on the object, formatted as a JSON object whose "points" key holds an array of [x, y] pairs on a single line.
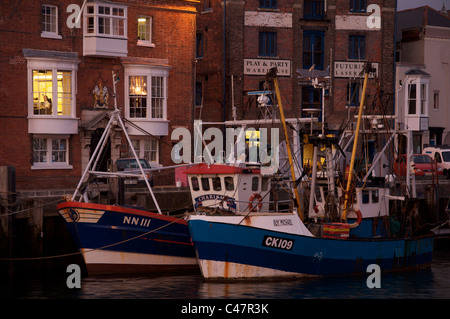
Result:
{"points": [[121, 239], [125, 239]]}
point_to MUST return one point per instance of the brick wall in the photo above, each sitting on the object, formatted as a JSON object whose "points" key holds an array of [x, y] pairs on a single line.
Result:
{"points": [[174, 37]]}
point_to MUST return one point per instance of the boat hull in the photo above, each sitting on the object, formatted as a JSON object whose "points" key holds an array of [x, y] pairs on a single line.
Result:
{"points": [[228, 250], [115, 239]]}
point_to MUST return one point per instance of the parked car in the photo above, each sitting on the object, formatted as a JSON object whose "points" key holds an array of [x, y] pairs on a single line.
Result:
{"points": [[130, 165], [441, 154], [421, 165]]}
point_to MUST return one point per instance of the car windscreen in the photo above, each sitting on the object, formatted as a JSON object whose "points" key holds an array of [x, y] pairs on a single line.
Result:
{"points": [[131, 163], [422, 159]]}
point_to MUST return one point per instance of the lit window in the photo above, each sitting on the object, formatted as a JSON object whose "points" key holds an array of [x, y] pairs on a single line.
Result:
{"points": [[46, 100], [50, 152], [138, 96], [145, 31], [146, 92], [50, 22], [158, 97]]}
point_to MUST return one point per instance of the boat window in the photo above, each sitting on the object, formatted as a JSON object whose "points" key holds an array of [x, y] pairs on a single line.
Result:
{"points": [[229, 185], [205, 183], [255, 182], [265, 184], [365, 196], [194, 183], [375, 196], [217, 186]]}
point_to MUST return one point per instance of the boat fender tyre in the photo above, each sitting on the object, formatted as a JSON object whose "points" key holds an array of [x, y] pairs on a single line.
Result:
{"points": [[252, 207], [358, 219]]}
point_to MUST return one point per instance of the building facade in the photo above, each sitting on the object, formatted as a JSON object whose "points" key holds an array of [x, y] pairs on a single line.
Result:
{"points": [[239, 41], [58, 60], [423, 75]]}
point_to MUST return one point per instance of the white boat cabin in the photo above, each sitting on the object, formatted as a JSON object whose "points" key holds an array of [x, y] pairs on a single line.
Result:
{"points": [[230, 188], [372, 202]]}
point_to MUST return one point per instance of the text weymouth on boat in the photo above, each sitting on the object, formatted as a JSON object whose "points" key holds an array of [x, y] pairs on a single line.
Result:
{"points": [[125, 239], [238, 232]]}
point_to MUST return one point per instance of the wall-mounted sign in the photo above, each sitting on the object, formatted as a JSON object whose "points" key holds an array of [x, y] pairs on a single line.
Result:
{"points": [[262, 66], [351, 69]]}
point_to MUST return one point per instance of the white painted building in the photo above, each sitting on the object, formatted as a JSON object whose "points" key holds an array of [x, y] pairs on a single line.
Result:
{"points": [[423, 76]]}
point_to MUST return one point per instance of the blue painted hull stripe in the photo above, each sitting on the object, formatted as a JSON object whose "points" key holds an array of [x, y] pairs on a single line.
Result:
{"points": [[309, 255]]}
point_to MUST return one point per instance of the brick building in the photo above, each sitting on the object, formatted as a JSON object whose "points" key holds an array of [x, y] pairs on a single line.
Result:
{"points": [[57, 87], [245, 38]]}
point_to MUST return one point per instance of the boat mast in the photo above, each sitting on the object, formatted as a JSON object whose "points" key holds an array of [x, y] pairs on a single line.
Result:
{"points": [[272, 75], [367, 69]]}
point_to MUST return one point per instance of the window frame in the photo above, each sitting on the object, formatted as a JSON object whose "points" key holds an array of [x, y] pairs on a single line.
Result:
{"points": [[351, 88], [148, 25], [54, 65], [268, 4], [45, 33], [267, 44], [358, 6], [355, 42], [49, 163], [199, 45], [315, 12], [418, 105], [150, 72], [96, 15], [312, 35], [142, 151]]}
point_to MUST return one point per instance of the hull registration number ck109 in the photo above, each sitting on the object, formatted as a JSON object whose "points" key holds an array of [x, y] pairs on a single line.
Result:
{"points": [[277, 242]]}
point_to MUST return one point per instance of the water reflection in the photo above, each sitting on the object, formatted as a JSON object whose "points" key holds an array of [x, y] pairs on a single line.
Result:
{"points": [[428, 283]]}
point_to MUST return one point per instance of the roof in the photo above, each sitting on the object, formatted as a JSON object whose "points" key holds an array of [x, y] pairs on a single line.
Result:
{"points": [[32, 53], [419, 18], [204, 168], [416, 72]]}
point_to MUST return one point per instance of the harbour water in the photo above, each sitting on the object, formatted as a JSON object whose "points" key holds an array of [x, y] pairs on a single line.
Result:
{"points": [[430, 283]]}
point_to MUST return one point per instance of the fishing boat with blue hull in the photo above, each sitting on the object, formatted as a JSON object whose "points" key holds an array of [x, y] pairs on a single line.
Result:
{"points": [[242, 231], [239, 243], [121, 239]]}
